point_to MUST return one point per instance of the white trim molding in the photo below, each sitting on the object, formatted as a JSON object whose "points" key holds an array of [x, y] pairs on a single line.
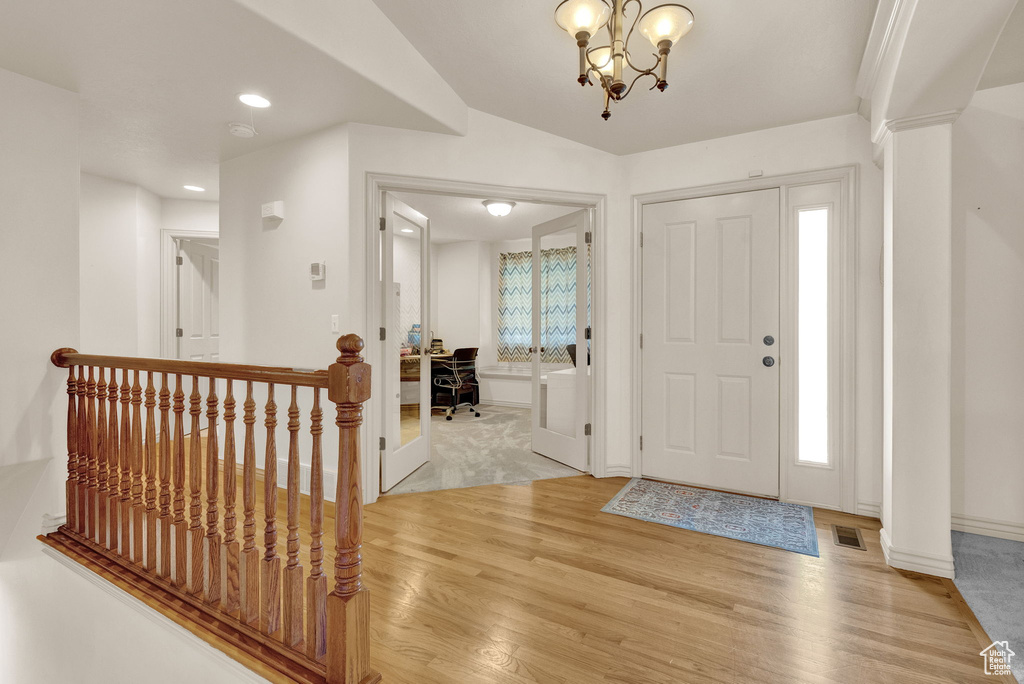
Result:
{"points": [[186, 639], [1003, 529], [925, 563], [870, 509], [169, 283]]}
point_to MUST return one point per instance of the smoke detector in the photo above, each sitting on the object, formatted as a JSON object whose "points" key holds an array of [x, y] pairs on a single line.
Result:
{"points": [[241, 130]]}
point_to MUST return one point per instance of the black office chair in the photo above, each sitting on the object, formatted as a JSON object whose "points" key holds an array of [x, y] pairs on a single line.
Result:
{"points": [[571, 348], [453, 379]]}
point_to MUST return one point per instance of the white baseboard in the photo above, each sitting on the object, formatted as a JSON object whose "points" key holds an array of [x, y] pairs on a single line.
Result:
{"points": [[52, 522], [618, 471], [186, 638], [1003, 529], [305, 477], [925, 563], [870, 509], [512, 404]]}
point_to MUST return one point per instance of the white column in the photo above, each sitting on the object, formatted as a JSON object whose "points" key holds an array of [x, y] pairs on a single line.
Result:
{"points": [[917, 342]]}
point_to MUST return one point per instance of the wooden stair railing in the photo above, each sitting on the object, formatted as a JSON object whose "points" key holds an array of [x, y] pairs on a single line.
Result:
{"points": [[128, 508]]}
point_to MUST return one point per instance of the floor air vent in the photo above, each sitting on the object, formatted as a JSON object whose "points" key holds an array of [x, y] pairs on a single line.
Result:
{"points": [[848, 537]]}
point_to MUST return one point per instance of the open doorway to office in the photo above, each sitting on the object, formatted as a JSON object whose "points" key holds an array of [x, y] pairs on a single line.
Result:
{"points": [[485, 355]]}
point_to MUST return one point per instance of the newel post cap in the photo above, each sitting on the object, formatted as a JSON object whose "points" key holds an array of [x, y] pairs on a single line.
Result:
{"points": [[349, 379]]}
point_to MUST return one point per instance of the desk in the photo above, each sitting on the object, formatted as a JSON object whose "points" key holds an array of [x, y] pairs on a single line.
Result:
{"points": [[409, 372]]}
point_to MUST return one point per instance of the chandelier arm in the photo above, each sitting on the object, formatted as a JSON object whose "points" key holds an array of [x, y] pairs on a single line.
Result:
{"points": [[630, 89], [625, 44], [651, 70]]}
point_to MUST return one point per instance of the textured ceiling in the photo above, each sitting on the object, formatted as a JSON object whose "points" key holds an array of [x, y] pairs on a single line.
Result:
{"points": [[744, 66]]}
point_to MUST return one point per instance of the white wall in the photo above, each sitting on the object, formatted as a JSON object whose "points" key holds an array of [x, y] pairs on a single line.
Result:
{"points": [[826, 143], [988, 314], [460, 304], [120, 268], [271, 312], [189, 215]]}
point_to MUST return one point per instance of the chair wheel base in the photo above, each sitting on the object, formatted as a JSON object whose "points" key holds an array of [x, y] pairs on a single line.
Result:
{"points": [[447, 417], [477, 415]]}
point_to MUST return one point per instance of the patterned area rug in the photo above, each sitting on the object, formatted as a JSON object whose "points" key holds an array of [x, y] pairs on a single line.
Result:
{"points": [[758, 521]]}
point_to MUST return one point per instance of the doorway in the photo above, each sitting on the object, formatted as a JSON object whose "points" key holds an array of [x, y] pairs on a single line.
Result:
{"points": [[455, 283], [745, 364], [197, 296]]}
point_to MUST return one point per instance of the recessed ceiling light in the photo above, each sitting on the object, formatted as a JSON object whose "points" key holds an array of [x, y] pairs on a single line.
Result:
{"points": [[408, 230], [194, 188], [254, 100], [499, 207]]}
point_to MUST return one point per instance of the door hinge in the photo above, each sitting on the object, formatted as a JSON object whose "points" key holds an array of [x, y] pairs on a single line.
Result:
{"points": [[587, 429], [179, 260], [641, 340], [588, 332], [641, 239], [588, 237], [641, 442], [179, 332], [383, 334], [383, 223], [383, 444]]}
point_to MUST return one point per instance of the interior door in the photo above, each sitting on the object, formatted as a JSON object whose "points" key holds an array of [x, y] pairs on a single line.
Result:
{"points": [[561, 395], [405, 250], [710, 320], [198, 332]]}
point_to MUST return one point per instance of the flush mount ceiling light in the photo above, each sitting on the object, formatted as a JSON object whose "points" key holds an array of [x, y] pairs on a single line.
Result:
{"points": [[499, 207], [663, 26], [194, 188], [254, 100]]}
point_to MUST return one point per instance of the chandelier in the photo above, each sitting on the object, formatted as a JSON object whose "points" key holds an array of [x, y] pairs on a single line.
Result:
{"points": [[663, 25]]}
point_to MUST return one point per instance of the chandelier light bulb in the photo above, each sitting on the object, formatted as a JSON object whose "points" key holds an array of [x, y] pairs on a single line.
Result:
{"points": [[582, 16], [666, 22], [499, 207], [602, 60]]}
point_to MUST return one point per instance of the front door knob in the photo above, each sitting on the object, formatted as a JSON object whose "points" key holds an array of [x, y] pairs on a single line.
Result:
{"points": [[768, 361]]}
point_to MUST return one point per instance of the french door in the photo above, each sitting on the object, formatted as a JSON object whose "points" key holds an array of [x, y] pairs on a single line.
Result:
{"points": [[561, 267], [405, 279], [198, 333], [710, 327]]}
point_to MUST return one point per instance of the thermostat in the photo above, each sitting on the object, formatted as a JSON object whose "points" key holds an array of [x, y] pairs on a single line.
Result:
{"points": [[317, 270], [274, 210]]}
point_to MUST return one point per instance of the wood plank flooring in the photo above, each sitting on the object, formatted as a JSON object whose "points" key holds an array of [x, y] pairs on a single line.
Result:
{"points": [[534, 584]]}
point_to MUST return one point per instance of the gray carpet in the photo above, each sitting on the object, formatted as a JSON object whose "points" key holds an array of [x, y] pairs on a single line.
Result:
{"points": [[491, 449], [989, 574]]}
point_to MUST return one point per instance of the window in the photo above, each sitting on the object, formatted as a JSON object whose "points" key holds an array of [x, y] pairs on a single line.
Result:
{"points": [[515, 305], [812, 336]]}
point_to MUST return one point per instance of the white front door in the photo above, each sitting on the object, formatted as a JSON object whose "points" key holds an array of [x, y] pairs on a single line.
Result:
{"points": [[405, 246], [560, 404], [198, 331], [710, 312]]}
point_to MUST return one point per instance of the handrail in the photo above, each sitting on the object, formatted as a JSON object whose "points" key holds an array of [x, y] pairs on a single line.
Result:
{"points": [[169, 526], [66, 357]]}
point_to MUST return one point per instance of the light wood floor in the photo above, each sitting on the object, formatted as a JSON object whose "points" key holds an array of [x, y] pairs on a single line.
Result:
{"points": [[534, 584]]}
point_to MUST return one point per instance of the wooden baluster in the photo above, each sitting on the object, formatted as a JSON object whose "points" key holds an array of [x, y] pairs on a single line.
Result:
{"points": [[292, 583], [125, 514], [212, 541], [138, 509], [82, 477], [71, 487], [102, 492], [113, 460], [229, 553], [178, 523], [195, 480], [270, 576], [164, 519], [92, 466], [348, 606], [151, 448], [316, 583], [248, 567]]}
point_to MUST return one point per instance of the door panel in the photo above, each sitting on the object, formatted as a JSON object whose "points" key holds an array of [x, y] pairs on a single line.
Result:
{"points": [[560, 311], [406, 289], [710, 294], [198, 291]]}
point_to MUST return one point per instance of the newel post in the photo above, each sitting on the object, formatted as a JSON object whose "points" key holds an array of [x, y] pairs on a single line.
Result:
{"points": [[348, 605]]}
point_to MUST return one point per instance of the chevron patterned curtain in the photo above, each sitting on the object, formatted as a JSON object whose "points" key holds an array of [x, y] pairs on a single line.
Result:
{"points": [[515, 304]]}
